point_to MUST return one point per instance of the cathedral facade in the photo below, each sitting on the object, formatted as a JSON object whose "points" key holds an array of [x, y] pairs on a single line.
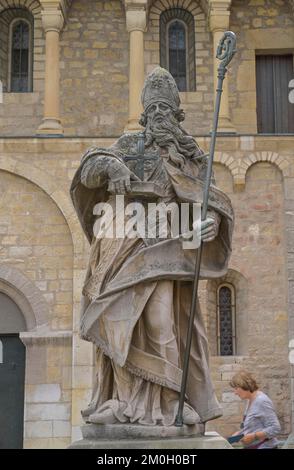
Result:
{"points": [[71, 73]]}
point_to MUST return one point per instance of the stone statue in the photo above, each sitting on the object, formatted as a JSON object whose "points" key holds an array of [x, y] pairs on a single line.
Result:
{"points": [[137, 292]]}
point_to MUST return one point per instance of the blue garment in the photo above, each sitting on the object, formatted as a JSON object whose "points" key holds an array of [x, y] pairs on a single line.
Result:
{"points": [[261, 416]]}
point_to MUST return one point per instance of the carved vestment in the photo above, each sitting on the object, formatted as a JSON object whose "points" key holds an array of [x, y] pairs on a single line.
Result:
{"points": [[128, 279]]}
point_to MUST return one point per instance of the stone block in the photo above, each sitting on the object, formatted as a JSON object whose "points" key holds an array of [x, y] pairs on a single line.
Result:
{"points": [[227, 375], [46, 443], [90, 54], [230, 409], [247, 143], [82, 377], [289, 188], [35, 370], [38, 429], [83, 352], [53, 374], [61, 429], [229, 397], [246, 76], [100, 45], [20, 251], [43, 393], [227, 368], [48, 412], [80, 401], [76, 433], [66, 373]]}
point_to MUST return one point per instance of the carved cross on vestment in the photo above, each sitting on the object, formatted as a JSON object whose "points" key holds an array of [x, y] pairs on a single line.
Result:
{"points": [[141, 158]]}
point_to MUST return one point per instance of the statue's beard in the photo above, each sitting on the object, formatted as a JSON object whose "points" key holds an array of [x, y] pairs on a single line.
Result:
{"points": [[167, 132]]}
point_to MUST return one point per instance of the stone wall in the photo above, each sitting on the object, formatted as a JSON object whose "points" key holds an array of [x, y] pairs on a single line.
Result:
{"points": [[36, 248], [48, 392], [51, 230], [260, 25], [261, 295], [94, 61], [94, 69], [21, 113], [36, 240], [259, 255]]}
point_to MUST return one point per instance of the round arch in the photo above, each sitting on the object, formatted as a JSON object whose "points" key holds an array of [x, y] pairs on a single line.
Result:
{"points": [[270, 157], [11, 319], [50, 187], [33, 6], [26, 296], [195, 8], [226, 160]]}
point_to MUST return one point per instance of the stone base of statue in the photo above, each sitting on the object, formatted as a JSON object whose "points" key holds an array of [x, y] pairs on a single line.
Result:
{"points": [[289, 444], [132, 436]]}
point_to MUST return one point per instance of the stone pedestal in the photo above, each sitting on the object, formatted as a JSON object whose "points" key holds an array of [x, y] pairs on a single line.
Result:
{"points": [[131, 436], [289, 444]]}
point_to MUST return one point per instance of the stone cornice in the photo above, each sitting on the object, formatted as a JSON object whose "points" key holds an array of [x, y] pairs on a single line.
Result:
{"points": [[44, 336]]}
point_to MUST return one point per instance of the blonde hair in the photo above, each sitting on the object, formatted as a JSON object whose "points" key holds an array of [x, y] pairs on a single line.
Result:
{"points": [[244, 380]]}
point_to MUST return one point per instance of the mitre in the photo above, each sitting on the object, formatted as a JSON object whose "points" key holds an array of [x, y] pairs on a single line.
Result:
{"points": [[160, 86]]}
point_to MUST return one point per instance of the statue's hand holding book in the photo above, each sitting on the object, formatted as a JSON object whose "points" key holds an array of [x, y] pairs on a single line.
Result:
{"points": [[123, 181], [120, 177]]}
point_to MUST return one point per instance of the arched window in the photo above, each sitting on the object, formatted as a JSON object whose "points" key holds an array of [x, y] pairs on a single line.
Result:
{"points": [[226, 322], [20, 56], [16, 49], [177, 46]]}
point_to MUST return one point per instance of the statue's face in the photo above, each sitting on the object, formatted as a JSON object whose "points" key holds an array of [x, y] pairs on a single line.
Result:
{"points": [[158, 112]]}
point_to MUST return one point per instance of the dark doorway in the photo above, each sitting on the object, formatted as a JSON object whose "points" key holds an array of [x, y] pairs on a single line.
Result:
{"points": [[12, 377]]}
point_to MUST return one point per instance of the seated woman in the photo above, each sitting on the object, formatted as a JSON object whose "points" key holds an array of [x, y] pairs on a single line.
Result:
{"points": [[260, 424]]}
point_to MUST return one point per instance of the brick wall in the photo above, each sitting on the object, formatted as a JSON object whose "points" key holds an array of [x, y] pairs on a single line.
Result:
{"points": [[258, 256]]}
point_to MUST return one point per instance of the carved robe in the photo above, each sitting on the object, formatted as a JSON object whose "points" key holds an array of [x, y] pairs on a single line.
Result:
{"points": [[137, 297]]}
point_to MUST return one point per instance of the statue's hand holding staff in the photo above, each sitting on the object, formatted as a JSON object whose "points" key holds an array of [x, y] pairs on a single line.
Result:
{"points": [[209, 227]]}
